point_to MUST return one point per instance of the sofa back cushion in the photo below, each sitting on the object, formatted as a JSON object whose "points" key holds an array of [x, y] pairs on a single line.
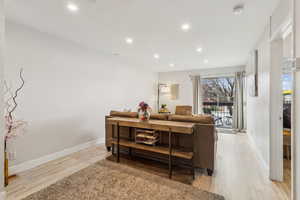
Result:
{"points": [[184, 110], [157, 116], [123, 114], [200, 119]]}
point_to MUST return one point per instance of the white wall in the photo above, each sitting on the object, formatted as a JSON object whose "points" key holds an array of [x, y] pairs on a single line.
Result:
{"points": [[258, 107], [1, 92], [185, 84], [288, 46], [281, 13], [68, 90]]}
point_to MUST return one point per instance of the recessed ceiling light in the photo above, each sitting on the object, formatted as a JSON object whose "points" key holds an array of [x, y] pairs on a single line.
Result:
{"points": [[185, 27], [199, 50], [205, 61], [172, 65], [72, 7], [238, 9], [129, 40], [156, 56]]}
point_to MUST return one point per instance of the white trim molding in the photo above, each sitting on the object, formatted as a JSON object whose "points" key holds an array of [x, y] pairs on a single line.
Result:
{"points": [[39, 161], [296, 106]]}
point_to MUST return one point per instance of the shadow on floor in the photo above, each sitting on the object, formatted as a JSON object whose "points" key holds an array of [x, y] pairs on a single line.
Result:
{"points": [[181, 174]]}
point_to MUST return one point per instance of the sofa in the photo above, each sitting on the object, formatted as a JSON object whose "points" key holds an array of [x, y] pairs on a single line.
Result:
{"points": [[204, 141]]}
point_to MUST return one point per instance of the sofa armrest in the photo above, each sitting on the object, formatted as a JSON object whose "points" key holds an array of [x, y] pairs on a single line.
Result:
{"points": [[205, 146]]}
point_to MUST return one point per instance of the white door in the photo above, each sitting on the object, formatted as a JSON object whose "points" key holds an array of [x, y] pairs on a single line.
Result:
{"points": [[276, 111]]}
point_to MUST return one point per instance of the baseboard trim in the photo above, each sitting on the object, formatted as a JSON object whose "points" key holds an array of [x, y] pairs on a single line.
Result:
{"points": [[260, 158], [39, 161], [2, 195]]}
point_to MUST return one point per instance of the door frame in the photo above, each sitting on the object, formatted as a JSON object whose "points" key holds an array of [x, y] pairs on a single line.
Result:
{"points": [[296, 94]]}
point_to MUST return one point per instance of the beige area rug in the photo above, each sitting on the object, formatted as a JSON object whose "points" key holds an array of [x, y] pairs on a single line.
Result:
{"points": [[112, 181]]}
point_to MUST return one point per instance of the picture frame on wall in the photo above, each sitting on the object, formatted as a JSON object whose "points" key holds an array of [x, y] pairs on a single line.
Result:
{"points": [[253, 74]]}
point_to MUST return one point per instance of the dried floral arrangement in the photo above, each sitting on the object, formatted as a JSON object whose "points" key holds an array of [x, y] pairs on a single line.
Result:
{"points": [[144, 111], [13, 127], [143, 106]]}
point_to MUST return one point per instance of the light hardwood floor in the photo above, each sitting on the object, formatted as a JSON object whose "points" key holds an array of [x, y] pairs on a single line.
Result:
{"points": [[239, 174]]}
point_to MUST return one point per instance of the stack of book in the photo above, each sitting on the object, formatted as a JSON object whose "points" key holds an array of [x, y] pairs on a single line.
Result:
{"points": [[148, 137]]}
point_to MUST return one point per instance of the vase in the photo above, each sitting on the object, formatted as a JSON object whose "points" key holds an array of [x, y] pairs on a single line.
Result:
{"points": [[144, 115], [5, 169]]}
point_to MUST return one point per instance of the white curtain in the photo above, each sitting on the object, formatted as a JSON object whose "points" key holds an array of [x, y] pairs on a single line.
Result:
{"points": [[197, 95], [238, 114]]}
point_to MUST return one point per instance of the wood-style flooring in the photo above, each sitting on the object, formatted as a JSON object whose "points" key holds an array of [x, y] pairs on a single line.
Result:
{"points": [[239, 174]]}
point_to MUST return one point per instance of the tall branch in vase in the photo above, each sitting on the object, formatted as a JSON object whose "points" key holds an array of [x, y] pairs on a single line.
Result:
{"points": [[13, 127]]}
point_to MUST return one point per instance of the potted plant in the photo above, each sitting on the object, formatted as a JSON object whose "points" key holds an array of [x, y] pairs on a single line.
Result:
{"points": [[163, 108]]}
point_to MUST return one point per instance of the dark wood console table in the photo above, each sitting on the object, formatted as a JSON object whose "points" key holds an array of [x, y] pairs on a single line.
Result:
{"points": [[167, 127]]}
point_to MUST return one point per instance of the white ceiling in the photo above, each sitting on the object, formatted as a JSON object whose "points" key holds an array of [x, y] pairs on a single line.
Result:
{"points": [[154, 25]]}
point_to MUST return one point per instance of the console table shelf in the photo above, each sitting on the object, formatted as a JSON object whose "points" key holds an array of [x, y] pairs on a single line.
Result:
{"points": [[156, 149]]}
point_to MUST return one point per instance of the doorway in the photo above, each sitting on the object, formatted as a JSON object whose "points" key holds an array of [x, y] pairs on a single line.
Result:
{"points": [[281, 103], [218, 99]]}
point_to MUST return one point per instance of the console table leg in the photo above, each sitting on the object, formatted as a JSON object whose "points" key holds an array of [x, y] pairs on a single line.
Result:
{"points": [[170, 154], [193, 167], [130, 138], [118, 143], [113, 149], [113, 137]]}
